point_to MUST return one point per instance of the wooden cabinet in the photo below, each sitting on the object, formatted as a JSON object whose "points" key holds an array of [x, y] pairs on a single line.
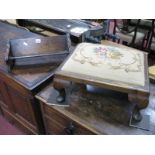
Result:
{"points": [[5, 101], [17, 88], [0, 111], [87, 113], [18, 109], [21, 104], [61, 120], [4, 96]]}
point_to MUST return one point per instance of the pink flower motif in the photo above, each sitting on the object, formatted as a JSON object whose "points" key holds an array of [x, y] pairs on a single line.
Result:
{"points": [[100, 51]]}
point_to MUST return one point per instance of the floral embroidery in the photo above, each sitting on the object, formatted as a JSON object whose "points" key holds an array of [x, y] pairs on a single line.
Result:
{"points": [[111, 56]]}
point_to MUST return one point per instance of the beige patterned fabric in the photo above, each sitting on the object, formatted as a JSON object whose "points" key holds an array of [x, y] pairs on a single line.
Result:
{"points": [[107, 62]]}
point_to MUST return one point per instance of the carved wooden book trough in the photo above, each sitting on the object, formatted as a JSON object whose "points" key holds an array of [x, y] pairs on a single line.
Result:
{"points": [[108, 65], [37, 51]]}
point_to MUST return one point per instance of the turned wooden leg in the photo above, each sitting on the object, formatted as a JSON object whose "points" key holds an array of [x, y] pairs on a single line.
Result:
{"points": [[141, 99], [136, 115], [60, 86], [57, 84]]}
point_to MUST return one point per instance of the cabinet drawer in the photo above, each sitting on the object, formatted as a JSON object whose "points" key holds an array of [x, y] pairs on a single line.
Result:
{"points": [[57, 123]]}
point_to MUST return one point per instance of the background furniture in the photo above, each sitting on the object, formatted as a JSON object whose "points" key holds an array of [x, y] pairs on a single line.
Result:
{"points": [[130, 35], [151, 43], [75, 27], [146, 26]]}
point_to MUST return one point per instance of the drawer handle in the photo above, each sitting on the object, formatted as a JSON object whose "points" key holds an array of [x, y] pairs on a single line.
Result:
{"points": [[70, 129]]}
